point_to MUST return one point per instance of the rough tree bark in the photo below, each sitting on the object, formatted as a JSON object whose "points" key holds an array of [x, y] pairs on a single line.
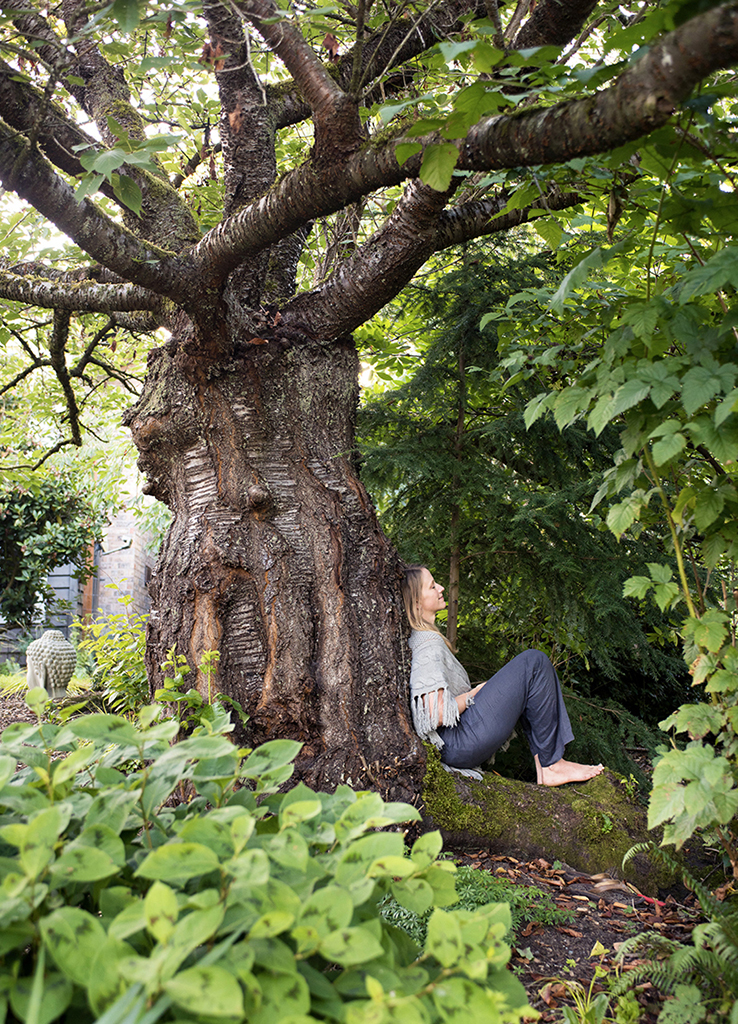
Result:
{"points": [[245, 425]]}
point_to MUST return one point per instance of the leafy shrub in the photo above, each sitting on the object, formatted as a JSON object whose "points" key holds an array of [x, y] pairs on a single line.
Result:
{"points": [[116, 645], [243, 904]]}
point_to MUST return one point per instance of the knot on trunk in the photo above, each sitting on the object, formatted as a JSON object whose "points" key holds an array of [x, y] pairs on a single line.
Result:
{"points": [[258, 498]]}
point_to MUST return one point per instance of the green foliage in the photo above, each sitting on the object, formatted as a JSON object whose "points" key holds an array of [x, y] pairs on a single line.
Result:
{"points": [[476, 888], [116, 645], [455, 473], [245, 903], [46, 523]]}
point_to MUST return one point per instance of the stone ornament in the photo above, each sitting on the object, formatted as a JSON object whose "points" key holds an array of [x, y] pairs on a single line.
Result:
{"points": [[51, 661]]}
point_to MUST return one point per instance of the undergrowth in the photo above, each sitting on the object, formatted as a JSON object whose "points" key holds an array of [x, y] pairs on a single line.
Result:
{"points": [[476, 888]]}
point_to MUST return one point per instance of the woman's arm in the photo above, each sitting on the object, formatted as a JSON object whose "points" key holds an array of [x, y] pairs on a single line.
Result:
{"points": [[462, 702]]}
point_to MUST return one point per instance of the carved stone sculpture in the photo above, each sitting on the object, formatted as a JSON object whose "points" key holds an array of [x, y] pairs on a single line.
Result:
{"points": [[51, 661]]}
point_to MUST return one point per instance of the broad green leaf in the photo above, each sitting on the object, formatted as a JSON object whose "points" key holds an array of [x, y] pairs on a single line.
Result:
{"points": [[55, 998], [550, 231], [413, 893], [404, 150], [327, 910], [129, 193], [668, 448], [39, 838], [707, 507], [82, 864], [713, 275], [426, 848], [271, 755], [444, 938], [127, 13], [178, 862], [106, 983], [162, 911], [439, 161], [350, 946], [73, 937], [212, 991]]}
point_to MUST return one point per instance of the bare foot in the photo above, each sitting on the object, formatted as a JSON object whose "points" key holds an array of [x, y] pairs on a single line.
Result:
{"points": [[562, 771]]}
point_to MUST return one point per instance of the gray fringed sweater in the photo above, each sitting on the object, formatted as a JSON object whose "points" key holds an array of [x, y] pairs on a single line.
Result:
{"points": [[434, 670]]}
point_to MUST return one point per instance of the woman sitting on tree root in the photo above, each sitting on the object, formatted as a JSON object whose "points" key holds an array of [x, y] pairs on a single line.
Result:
{"points": [[469, 725]]}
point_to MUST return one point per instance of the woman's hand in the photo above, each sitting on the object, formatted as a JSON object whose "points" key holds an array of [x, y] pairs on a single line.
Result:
{"points": [[462, 702]]}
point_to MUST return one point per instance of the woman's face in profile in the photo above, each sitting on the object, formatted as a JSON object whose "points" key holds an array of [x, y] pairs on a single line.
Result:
{"points": [[431, 596]]}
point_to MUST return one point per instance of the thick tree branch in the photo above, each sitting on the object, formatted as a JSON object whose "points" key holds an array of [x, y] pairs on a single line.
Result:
{"points": [[335, 114], [27, 110], [554, 23], [25, 171], [475, 219], [640, 100], [378, 270], [81, 296], [387, 48], [42, 38], [285, 39]]}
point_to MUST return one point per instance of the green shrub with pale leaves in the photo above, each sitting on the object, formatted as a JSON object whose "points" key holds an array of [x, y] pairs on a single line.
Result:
{"points": [[144, 881]]}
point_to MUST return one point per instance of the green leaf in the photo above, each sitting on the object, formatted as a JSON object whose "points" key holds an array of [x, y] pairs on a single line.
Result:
{"points": [[73, 937], [82, 864], [212, 991], [56, 995], [414, 893], [128, 192], [668, 448], [437, 168], [178, 862], [404, 150], [350, 946], [707, 507], [162, 911], [327, 910], [127, 14], [271, 755], [444, 938], [714, 274], [427, 848]]}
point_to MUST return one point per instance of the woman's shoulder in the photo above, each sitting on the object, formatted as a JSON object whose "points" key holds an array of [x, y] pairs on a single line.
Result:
{"points": [[425, 637]]}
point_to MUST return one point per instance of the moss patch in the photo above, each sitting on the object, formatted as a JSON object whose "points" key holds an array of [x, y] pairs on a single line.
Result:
{"points": [[590, 826]]}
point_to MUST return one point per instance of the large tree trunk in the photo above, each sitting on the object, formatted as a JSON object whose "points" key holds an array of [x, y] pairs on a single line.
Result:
{"points": [[275, 557]]}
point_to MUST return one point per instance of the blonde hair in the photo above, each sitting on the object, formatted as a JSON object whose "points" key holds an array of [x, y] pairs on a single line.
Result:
{"points": [[411, 586]]}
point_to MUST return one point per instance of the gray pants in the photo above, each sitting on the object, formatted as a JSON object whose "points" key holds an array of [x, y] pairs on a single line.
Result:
{"points": [[526, 689]]}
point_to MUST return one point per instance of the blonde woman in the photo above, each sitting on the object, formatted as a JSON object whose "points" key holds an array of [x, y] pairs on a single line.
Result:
{"points": [[470, 724]]}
